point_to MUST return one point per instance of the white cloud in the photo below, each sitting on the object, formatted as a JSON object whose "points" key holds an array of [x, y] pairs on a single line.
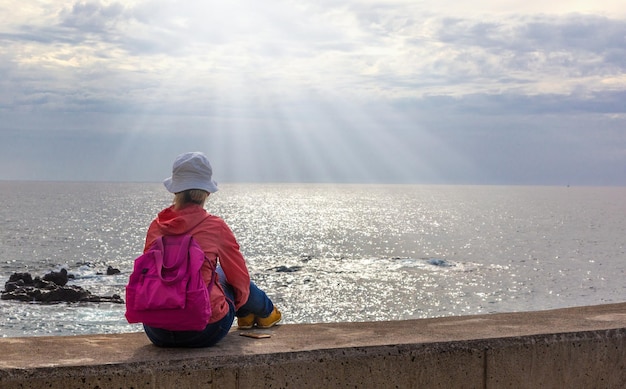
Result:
{"points": [[405, 74], [378, 50]]}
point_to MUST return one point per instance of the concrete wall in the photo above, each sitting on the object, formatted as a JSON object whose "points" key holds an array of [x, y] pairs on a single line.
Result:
{"points": [[581, 347]]}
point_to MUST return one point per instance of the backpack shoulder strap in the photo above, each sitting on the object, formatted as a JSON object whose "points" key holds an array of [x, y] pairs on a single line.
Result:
{"points": [[158, 248], [201, 257]]}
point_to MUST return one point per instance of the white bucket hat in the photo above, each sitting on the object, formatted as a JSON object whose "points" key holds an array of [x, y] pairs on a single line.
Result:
{"points": [[191, 171]]}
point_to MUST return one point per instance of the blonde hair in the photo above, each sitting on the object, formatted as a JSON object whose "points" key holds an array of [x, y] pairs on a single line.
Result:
{"points": [[194, 196]]}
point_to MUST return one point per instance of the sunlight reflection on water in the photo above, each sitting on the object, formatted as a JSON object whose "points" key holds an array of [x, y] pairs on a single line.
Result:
{"points": [[327, 253]]}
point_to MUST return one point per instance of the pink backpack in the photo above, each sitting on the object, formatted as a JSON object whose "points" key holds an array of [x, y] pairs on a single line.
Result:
{"points": [[166, 290]]}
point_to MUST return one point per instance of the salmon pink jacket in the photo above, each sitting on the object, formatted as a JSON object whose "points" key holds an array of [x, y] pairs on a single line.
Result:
{"points": [[218, 243]]}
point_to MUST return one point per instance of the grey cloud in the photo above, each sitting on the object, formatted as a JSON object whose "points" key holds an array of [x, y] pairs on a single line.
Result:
{"points": [[95, 22], [29, 35], [587, 32], [111, 23], [608, 102], [92, 16], [565, 40], [42, 35], [74, 26]]}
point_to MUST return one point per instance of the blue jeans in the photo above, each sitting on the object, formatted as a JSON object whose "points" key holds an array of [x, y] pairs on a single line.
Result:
{"points": [[258, 303]]}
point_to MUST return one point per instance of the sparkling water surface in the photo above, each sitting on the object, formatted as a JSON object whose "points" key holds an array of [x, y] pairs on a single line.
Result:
{"points": [[331, 253]]}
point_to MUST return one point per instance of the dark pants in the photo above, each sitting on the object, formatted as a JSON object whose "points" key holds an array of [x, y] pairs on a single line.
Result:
{"points": [[258, 303]]}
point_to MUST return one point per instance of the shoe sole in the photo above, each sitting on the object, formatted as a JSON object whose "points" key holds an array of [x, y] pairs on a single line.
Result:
{"points": [[268, 325]]}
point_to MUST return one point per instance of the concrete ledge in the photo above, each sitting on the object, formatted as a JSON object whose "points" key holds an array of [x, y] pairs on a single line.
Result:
{"points": [[582, 347]]}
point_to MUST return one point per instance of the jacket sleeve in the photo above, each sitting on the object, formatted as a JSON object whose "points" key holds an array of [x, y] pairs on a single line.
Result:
{"points": [[234, 266]]}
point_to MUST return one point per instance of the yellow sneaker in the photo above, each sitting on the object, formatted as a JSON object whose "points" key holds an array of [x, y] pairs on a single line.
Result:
{"points": [[270, 321], [246, 322]]}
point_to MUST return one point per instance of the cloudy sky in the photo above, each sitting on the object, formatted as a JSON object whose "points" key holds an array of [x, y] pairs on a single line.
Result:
{"points": [[399, 91]]}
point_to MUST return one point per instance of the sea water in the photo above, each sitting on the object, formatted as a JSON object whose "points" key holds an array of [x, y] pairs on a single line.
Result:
{"points": [[331, 253]]}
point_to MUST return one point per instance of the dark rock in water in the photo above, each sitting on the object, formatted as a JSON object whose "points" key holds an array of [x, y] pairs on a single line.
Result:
{"points": [[25, 278], [18, 280], [22, 287], [58, 277], [286, 269], [111, 271], [71, 293], [439, 262]]}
